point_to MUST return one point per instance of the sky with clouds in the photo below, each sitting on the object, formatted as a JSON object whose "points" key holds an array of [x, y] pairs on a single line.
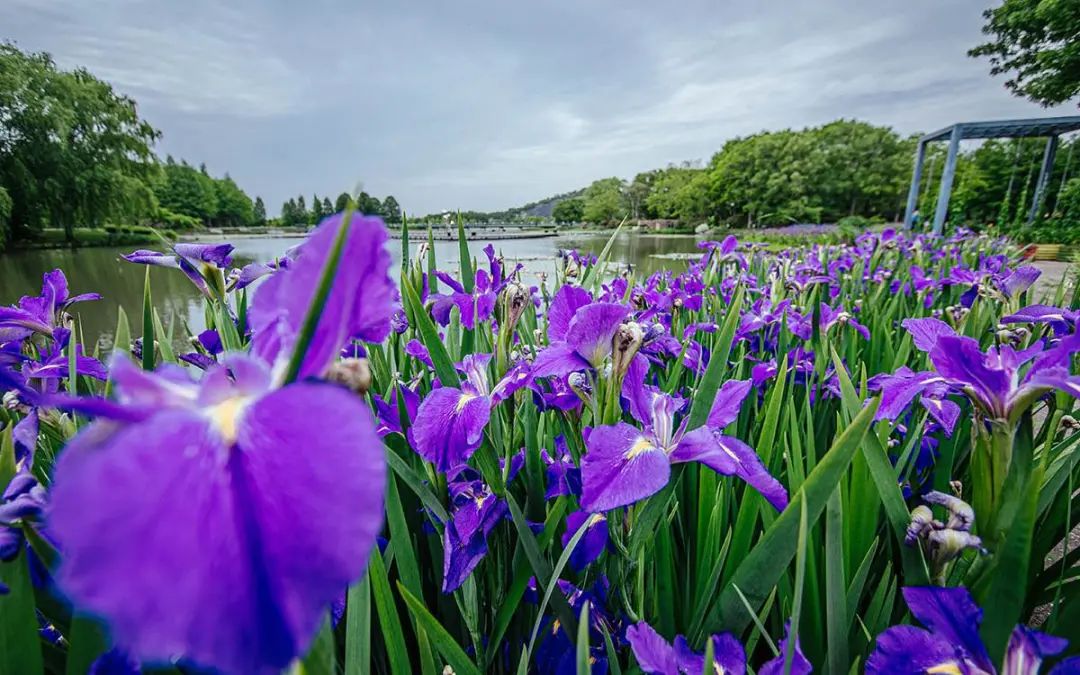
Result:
{"points": [[486, 105]]}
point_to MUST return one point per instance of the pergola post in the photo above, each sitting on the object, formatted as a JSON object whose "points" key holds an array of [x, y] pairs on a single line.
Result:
{"points": [[1044, 178], [913, 191], [945, 191]]}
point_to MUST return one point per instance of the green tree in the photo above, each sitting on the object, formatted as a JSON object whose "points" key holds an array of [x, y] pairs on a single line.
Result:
{"points": [[302, 215], [1036, 44], [5, 213], [1069, 201], [327, 207], [316, 209], [679, 193], [391, 210], [72, 150], [342, 202], [368, 205], [259, 212], [569, 210], [289, 216], [604, 201], [234, 208], [184, 190]]}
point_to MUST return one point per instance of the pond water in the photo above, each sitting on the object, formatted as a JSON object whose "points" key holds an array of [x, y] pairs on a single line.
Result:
{"points": [[120, 283]]}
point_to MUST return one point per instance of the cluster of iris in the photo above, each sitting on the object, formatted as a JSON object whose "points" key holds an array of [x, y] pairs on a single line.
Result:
{"points": [[245, 493]]}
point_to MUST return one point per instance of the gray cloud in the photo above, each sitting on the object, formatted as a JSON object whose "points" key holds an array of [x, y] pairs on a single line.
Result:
{"points": [[486, 105]]}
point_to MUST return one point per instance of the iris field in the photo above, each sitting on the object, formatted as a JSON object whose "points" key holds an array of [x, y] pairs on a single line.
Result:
{"points": [[837, 459]]}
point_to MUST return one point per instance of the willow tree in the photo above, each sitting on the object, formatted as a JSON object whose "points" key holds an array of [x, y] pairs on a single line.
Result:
{"points": [[72, 150]]}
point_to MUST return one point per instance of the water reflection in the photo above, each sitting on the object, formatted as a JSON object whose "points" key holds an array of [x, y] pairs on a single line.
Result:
{"points": [[120, 283]]}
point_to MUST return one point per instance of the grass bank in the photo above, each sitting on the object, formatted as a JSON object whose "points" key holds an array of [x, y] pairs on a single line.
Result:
{"points": [[88, 237]]}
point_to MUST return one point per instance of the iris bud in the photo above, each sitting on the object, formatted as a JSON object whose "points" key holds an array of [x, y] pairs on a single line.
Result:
{"points": [[514, 300], [354, 374], [625, 345], [961, 515], [922, 519], [580, 385], [946, 545]]}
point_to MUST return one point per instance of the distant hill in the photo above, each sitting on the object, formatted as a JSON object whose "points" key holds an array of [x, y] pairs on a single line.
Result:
{"points": [[538, 209], [544, 207]]}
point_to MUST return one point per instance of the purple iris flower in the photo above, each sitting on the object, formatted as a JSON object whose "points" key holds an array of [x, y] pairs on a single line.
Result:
{"points": [[1062, 320], [801, 326], [202, 263], [557, 651], [42, 313], [592, 543], [931, 389], [53, 363], [449, 425], [563, 476], [450, 422], [210, 347], [476, 513], [361, 301], [418, 351], [991, 379], [252, 272], [951, 643], [584, 341], [656, 656], [243, 505], [473, 307], [389, 416], [624, 464]]}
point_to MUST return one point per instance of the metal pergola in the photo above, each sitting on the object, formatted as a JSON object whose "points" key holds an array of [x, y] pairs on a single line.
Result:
{"points": [[1047, 127]]}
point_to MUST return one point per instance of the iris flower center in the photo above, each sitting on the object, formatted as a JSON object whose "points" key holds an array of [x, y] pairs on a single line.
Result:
{"points": [[463, 401], [945, 669], [226, 415], [640, 447]]}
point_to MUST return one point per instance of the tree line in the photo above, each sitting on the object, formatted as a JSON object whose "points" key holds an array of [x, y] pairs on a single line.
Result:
{"points": [[74, 153], [818, 174], [295, 211], [841, 170]]}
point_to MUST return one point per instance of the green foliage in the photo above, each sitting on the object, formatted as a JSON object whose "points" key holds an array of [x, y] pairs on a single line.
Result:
{"points": [[569, 210], [368, 205], [72, 151], [258, 212], [175, 221], [316, 209], [855, 222], [290, 216], [303, 216], [1036, 43], [815, 175], [234, 207], [679, 193], [186, 191], [5, 214], [1068, 204], [391, 210], [342, 202], [604, 203]]}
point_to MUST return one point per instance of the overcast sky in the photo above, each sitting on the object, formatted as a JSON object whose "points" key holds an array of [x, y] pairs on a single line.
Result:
{"points": [[486, 105]]}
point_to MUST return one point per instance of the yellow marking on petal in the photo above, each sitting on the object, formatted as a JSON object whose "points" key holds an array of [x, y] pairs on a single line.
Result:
{"points": [[225, 416], [944, 669], [640, 447], [463, 401]]}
